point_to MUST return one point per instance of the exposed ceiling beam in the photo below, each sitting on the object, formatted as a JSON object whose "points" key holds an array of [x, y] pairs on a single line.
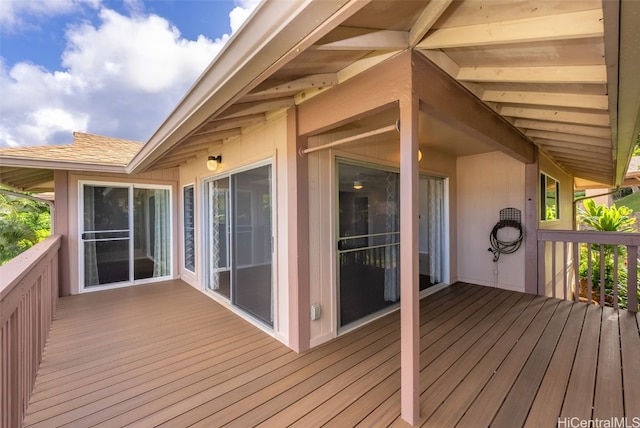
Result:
{"points": [[199, 139], [573, 25], [560, 74], [596, 102], [427, 18], [564, 128], [238, 122], [384, 40], [569, 138], [595, 119], [246, 109], [295, 86], [564, 147], [449, 66]]}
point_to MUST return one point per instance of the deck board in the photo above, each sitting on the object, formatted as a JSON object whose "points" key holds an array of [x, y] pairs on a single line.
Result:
{"points": [[165, 354]]}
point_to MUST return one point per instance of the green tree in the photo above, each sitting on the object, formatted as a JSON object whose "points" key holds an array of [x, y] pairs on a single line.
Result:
{"points": [[23, 223]]}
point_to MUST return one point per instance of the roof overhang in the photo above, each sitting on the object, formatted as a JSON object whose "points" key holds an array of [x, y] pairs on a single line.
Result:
{"points": [[537, 64]]}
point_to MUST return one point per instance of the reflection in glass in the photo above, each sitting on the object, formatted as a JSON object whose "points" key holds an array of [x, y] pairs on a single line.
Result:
{"points": [[252, 242], [151, 233], [106, 235], [218, 236], [369, 239]]}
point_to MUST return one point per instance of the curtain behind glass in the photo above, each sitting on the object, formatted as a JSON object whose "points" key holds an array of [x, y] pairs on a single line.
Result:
{"points": [[435, 194], [90, 258], [161, 228], [391, 276]]}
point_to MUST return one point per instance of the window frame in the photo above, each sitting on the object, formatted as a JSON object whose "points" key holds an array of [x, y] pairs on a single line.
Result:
{"points": [[546, 181]]}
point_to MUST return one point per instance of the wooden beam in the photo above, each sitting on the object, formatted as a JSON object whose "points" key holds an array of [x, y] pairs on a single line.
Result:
{"points": [[569, 148], [427, 18], [564, 128], [447, 100], [569, 138], [596, 119], [247, 109], [369, 92], [313, 81], [409, 303], [236, 122], [383, 40], [450, 67], [596, 102], [574, 25], [556, 74]]}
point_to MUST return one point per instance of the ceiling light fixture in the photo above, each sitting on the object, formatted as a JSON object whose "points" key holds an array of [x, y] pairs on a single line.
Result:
{"points": [[357, 184]]}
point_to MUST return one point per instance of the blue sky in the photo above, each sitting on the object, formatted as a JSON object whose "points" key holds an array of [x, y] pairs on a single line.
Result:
{"points": [[114, 68]]}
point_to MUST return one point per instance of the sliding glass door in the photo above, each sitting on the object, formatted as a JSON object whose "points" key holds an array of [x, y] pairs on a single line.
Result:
{"points": [[369, 239], [239, 240], [125, 233]]}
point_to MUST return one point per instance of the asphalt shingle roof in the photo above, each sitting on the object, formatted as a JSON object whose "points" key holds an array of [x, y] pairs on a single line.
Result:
{"points": [[86, 148]]}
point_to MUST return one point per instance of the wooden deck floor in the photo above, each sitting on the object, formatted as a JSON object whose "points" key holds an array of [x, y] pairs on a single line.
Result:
{"points": [[166, 355]]}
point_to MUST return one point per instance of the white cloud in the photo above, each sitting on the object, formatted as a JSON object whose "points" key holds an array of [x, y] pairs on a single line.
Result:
{"points": [[120, 78], [240, 13], [18, 13]]}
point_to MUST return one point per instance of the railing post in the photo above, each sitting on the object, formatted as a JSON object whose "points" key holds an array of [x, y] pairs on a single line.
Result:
{"points": [[541, 268], [632, 278]]}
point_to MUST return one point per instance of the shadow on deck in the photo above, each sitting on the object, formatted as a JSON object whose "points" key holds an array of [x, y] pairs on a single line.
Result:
{"points": [[166, 354]]}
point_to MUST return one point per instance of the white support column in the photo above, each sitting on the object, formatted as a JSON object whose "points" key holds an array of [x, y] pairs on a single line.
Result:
{"points": [[409, 310]]}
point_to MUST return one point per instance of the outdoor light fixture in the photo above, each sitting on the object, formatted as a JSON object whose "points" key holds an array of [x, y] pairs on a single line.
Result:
{"points": [[419, 155], [357, 184], [213, 161]]}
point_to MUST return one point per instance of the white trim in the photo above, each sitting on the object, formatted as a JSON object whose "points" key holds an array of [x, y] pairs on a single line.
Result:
{"points": [[181, 225], [227, 302], [130, 186], [381, 165]]}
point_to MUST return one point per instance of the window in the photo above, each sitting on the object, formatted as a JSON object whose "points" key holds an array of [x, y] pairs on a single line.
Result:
{"points": [[549, 198], [189, 229]]}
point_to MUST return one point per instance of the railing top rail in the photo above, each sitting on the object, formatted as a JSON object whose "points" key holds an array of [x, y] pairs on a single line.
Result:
{"points": [[592, 237], [16, 269]]}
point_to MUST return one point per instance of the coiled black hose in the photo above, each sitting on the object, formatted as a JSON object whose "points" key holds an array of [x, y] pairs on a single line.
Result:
{"points": [[505, 247]]}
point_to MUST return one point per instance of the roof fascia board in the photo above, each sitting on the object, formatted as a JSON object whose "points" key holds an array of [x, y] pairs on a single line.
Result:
{"points": [[628, 90], [24, 162], [275, 29]]}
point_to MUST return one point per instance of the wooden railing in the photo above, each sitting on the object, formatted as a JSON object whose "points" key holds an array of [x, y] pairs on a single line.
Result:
{"points": [[28, 296], [597, 267]]}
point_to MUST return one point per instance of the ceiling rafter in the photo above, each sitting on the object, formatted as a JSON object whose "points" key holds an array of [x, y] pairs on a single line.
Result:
{"points": [[596, 102], [569, 138], [247, 109], [552, 115], [550, 74], [427, 18], [383, 40], [289, 88], [564, 26], [238, 122], [564, 128]]}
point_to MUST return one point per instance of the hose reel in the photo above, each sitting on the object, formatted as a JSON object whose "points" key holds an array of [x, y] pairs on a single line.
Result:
{"points": [[510, 218]]}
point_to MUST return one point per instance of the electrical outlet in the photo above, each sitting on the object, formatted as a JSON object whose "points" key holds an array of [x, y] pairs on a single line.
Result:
{"points": [[315, 312]]}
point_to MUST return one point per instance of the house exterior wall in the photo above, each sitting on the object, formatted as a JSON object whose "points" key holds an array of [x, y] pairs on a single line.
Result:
{"points": [[323, 213], [167, 177], [264, 142], [488, 183], [565, 222]]}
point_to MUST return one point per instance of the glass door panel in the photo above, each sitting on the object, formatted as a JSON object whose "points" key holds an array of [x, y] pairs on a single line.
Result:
{"points": [[105, 235], [218, 235], [251, 242], [151, 233], [431, 230], [368, 241]]}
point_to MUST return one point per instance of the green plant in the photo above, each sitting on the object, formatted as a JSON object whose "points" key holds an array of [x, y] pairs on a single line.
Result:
{"points": [[612, 219]]}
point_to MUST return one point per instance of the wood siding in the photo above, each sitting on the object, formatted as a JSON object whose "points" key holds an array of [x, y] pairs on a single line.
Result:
{"points": [[166, 355]]}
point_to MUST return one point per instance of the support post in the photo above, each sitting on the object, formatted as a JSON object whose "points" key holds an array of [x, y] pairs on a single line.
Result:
{"points": [[409, 310]]}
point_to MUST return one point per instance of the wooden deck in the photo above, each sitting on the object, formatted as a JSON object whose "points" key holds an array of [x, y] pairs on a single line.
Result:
{"points": [[167, 355]]}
